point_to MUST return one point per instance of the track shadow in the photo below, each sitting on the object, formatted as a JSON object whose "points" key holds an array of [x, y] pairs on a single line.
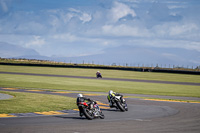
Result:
{"points": [[71, 117], [75, 117], [113, 110]]}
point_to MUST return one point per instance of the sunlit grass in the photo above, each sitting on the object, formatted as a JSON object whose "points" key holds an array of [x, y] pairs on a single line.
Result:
{"points": [[105, 73], [31, 102], [97, 85]]}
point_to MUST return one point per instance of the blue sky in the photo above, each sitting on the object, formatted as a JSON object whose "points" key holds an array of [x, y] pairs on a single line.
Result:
{"points": [[68, 28]]}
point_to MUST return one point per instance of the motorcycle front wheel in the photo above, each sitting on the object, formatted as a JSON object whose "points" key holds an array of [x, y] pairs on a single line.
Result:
{"points": [[102, 115], [88, 114], [119, 105]]}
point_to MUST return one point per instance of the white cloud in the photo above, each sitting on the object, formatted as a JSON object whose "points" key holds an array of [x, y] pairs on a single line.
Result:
{"points": [[3, 5], [83, 16], [54, 20], [192, 45], [176, 6], [37, 41], [62, 15], [172, 56], [165, 43], [74, 10], [181, 29], [137, 1], [67, 37], [125, 30], [177, 30], [120, 10]]}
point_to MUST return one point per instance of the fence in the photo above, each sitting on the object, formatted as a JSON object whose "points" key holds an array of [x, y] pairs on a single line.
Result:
{"points": [[156, 65]]}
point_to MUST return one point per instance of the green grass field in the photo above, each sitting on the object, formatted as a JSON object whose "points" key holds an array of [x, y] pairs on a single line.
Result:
{"points": [[55, 83], [96, 85], [28, 102], [58, 83], [105, 73]]}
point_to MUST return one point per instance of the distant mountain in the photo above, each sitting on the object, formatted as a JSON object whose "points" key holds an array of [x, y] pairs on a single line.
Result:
{"points": [[139, 56], [9, 51], [123, 55]]}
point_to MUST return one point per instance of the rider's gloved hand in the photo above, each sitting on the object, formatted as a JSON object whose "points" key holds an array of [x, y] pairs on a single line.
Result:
{"points": [[94, 102]]}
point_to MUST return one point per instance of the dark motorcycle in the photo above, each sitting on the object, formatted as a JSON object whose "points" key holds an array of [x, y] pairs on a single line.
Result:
{"points": [[119, 103], [91, 110], [99, 75]]}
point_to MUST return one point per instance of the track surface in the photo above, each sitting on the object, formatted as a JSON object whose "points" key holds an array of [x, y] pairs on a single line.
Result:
{"points": [[116, 79], [142, 117]]}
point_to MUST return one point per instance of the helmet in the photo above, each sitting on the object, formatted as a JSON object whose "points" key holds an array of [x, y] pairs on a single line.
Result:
{"points": [[110, 92], [79, 95], [98, 71]]}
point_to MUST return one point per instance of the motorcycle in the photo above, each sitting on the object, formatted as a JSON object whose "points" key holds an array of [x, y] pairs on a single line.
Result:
{"points": [[119, 103], [91, 110], [99, 75]]}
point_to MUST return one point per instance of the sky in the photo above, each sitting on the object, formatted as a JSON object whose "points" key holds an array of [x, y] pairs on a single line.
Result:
{"points": [[79, 28]]}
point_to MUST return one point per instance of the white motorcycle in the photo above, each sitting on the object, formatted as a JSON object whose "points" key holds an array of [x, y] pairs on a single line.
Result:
{"points": [[119, 103]]}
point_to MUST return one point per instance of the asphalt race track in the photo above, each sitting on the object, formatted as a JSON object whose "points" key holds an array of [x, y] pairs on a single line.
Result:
{"points": [[143, 117]]}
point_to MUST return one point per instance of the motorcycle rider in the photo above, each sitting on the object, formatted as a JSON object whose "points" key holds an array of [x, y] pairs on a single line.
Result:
{"points": [[81, 98], [98, 74], [112, 94]]}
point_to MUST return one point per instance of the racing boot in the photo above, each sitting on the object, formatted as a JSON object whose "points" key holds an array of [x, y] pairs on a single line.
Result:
{"points": [[111, 105]]}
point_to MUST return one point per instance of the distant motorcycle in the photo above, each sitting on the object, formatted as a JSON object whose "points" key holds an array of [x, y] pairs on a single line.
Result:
{"points": [[91, 110], [120, 103], [99, 75]]}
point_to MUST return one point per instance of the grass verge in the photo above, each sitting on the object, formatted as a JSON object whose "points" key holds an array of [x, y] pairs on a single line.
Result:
{"points": [[29, 102]]}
